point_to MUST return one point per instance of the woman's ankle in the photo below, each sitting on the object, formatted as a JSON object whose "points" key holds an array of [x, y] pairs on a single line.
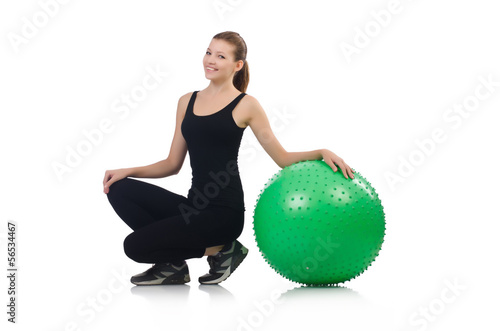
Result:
{"points": [[213, 250]]}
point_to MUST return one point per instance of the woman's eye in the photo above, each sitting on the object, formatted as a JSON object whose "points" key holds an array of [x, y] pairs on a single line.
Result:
{"points": [[207, 53], [222, 56]]}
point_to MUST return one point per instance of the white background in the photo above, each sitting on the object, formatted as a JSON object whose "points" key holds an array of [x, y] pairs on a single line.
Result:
{"points": [[370, 108]]}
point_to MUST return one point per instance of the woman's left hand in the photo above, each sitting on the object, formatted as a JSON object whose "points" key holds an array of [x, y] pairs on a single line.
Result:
{"points": [[333, 160]]}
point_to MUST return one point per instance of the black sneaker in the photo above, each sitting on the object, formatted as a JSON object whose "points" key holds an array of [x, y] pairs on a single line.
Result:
{"points": [[223, 264], [163, 274]]}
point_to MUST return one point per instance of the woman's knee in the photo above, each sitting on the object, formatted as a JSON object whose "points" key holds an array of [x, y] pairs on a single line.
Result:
{"points": [[118, 187], [131, 248]]}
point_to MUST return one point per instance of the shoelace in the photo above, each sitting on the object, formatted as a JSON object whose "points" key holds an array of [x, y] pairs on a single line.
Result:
{"points": [[213, 260]]}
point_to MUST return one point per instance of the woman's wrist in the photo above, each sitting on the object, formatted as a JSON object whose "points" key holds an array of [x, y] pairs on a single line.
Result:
{"points": [[130, 172]]}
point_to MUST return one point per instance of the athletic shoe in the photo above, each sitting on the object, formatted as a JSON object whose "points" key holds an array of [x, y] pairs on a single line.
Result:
{"points": [[223, 264], [163, 274]]}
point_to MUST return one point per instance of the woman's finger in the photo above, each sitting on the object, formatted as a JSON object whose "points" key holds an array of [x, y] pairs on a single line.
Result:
{"points": [[350, 172], [331, 164], [108, 180], [106, 177], [343, 166]]}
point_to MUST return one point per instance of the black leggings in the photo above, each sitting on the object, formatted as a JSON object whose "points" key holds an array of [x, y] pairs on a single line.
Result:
{"points": [[161, 231]]}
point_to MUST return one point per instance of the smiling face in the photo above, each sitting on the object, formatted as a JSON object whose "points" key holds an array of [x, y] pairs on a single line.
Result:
{"points": [[218, 61]]}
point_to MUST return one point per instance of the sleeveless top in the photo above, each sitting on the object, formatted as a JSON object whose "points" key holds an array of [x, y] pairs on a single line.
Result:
{"points": [[213, 142]]}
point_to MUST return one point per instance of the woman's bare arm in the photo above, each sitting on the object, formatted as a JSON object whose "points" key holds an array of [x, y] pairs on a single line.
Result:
{"points": [[257, 120]]}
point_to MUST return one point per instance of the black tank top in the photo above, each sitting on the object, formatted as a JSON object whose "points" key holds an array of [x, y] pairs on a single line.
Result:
{"points": [[213, 142]]}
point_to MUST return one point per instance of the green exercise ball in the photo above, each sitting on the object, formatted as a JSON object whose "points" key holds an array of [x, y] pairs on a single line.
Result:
{"points": [[315, 227]]}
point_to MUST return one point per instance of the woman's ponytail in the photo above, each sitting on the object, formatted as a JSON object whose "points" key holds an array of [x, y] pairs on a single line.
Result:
{"points": [[242, 77]]}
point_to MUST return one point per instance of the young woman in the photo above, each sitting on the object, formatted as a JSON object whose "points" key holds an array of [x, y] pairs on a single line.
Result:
{"points": [[170, 228]]}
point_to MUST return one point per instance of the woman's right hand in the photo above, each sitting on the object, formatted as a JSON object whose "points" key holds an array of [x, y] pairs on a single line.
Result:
{"points": [[112, 176]]}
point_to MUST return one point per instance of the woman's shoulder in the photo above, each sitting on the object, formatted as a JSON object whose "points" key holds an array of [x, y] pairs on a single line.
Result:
{"points": [[250, 102], [184, 100], [183, 103], [185, 97]]}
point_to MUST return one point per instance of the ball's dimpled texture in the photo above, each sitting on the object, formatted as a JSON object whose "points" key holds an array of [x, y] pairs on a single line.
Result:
{"points": [[315, 227]]}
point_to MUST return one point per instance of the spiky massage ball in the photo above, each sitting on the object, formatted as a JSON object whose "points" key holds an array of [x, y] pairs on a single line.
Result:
{"points": [[315, 227]]}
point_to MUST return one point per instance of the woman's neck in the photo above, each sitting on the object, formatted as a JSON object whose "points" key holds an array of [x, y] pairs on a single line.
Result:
{"points": [[215, 88]]}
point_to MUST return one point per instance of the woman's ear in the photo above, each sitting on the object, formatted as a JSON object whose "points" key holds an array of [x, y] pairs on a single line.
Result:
{"points": [[239, 65]]}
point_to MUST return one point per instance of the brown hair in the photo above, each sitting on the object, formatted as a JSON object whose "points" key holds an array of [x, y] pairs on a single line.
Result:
{"points": [[241, 77]]}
